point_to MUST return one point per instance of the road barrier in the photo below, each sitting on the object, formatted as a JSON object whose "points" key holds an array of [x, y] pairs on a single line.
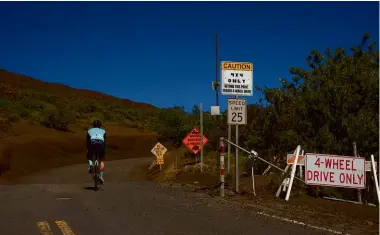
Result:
{"points": [[254, 154]]}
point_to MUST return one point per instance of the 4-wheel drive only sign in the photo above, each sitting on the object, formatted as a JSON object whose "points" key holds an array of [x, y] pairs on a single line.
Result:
{"points": [[237, 78], [237, 112], [335, 171]]}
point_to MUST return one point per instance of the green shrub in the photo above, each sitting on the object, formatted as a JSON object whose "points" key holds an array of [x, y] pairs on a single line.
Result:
{"points": [[36, 116], [58, 118]]}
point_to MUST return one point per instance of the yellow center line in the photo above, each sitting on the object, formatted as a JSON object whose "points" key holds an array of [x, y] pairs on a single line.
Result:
{"points": [[44, 228], [62, 225]]}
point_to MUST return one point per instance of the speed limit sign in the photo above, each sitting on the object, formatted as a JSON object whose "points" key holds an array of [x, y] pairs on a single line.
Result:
{"points": [[237, 111]]}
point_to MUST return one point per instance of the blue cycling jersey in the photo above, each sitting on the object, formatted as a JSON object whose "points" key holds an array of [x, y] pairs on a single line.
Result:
{"points": [[96, 134]]}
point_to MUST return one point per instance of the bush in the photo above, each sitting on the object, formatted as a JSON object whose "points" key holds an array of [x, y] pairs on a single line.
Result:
{"points": [[57, 118]]}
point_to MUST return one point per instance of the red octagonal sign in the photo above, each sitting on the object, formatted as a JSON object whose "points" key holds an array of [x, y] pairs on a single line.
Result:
{"points": [[193, 141]]}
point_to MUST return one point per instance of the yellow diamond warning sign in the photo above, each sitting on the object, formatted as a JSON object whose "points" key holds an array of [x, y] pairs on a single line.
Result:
{"points": [[159, 150]]}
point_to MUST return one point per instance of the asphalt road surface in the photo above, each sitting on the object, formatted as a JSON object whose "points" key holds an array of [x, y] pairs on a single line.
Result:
{"points": [[41, 205]]}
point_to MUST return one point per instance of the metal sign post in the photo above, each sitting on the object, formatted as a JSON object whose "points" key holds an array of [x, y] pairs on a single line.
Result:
{"points": [[253, 181], [221, 154], [237, 159], [229, 150], [300, 166], [359, 193]]}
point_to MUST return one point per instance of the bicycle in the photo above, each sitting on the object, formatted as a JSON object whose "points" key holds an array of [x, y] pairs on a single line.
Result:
{"points": [[96, 170]]}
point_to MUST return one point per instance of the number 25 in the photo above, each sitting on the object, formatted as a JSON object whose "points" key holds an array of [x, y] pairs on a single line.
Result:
{"points": [[239, 116]]}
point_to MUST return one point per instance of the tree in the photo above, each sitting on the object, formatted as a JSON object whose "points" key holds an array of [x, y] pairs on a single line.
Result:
{"points": [[331, 104]]}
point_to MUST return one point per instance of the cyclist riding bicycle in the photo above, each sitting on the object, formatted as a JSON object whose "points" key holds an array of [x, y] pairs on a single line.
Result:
{"points": [[96, 143]]}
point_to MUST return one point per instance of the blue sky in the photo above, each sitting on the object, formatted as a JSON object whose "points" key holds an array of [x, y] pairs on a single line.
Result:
{"points": [[163, 53]]}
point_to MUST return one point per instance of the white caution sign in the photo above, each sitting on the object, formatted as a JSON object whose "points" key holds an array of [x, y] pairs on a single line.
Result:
{"points": [[237, 111], [237, 78], [335, 171], [159, 150]]}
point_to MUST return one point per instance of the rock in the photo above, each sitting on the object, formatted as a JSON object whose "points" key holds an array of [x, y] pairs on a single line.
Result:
{"points": [[187, 168], [193, 190], [369, 223], [230, 193], [197, 167], [176, 185], [221, 201], [244, 174]]}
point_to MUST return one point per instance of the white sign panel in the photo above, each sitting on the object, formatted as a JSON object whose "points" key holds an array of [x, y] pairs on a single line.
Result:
{"points": [[237, 78], [237, 112], [368, 165], [335, 171], [215, 110]]}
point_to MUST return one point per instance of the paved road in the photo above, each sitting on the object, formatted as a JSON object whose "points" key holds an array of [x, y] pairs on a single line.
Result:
{"points": [[123, 208], [115, 171]]}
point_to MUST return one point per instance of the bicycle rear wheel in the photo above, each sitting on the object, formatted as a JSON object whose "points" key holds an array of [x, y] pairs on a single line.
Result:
{"points": [[96, 171]]}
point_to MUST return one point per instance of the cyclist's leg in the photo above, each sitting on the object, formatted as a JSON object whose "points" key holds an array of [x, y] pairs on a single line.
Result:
{"points": [[89, 156], [101, 165]]}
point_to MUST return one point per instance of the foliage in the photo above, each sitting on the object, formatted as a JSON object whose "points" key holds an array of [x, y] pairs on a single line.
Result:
{"points": [[58, 112], [171, 124], [330, 105]]}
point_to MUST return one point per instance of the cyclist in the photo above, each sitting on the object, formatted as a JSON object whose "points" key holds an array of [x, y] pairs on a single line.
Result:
{"points": [[96, 142]]}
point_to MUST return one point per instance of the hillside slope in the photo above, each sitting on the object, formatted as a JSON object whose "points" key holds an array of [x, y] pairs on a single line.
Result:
{"points": [[58, 106], [42, 125], [13, 85]]}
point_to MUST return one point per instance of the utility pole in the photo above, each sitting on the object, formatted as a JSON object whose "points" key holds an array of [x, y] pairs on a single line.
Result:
{"points": [[217, 72], [217, 93]]}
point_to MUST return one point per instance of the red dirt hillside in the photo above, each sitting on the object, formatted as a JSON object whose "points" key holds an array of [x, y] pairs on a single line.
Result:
{"points": [[42, 125], [12, 85]]}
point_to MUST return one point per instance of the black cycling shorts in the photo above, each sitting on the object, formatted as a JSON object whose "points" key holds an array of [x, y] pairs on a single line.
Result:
{"points": [[95, 146]]}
